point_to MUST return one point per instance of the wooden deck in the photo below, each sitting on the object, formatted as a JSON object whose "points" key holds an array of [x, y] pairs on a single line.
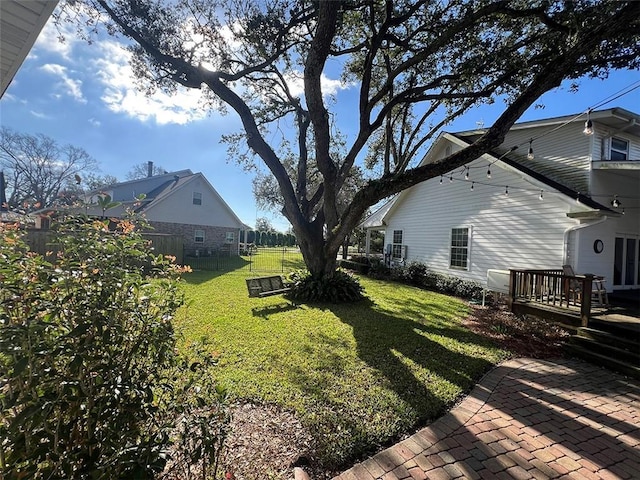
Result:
{"points": [[552, 295]]}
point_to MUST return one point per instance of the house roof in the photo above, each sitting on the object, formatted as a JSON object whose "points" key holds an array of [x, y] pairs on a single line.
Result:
{"points": [[156, 189], [518, 163], [20, 25], [617, 119]]}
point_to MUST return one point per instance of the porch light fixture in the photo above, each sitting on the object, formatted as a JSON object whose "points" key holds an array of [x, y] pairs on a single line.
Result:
{"points": [[530, 153], [588, 125], [615, 203]]}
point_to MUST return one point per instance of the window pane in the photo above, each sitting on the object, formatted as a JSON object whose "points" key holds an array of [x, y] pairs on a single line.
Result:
{"points": [[397, 236], [197, 198], [459, 248]]}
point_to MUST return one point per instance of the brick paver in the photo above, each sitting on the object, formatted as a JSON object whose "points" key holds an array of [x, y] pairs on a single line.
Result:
{"points": [[526, 419]]}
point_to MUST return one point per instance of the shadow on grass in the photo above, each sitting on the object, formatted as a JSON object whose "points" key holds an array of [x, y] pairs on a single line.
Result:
{"points": [[398, 347], [422, 362], [265, 311]]}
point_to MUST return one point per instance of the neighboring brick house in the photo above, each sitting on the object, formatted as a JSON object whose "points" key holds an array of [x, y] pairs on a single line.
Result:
{"points": [[178, 203]]}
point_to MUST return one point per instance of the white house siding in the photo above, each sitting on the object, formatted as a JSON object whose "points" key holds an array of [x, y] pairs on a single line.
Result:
{"points": [[566, 152], [601, 138], [178, 207], [518, 231]]}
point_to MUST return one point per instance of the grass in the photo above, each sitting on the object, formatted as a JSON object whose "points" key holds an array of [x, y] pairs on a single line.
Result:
{"points": [[357, 375]]}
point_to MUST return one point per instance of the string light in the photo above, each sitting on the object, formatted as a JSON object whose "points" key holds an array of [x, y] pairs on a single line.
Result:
{"points": [[506, 191], [472, 184], [540, 197], [588, 125], [578, 198], [466, 173], [451, 178], [615, 203], [489, 171], [440, 179], [530, 153]]}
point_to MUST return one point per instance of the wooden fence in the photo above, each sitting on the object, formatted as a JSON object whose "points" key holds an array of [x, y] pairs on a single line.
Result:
{"points": [[41, 241]]}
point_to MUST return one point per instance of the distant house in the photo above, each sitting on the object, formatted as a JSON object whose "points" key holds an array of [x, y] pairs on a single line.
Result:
{"points": [[179, 203], [575, 200]]}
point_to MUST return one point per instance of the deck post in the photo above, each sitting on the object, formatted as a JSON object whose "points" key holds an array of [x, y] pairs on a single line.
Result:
{"points": [[512, 289], [585, 304]]}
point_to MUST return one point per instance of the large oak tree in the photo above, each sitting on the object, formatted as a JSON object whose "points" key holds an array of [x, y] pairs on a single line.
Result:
{"points": [[416, 65]]}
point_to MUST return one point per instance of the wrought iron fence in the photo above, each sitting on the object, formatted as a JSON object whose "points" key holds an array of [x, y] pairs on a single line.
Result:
{"points": [[260, 259]]}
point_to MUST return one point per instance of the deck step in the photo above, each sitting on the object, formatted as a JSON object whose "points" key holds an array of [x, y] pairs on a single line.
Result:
{"points": [[603, 360], [611, 339], [630, 332], [607, 345]]}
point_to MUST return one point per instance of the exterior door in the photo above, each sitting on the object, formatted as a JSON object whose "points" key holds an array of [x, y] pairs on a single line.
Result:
{"points": [[626, 268]]}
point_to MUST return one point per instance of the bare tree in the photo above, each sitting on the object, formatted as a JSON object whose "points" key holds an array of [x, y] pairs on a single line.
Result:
{"points": [[38, 169], [414, 66], [144, 169]]}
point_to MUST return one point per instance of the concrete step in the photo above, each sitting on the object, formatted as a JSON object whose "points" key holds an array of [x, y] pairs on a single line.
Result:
{"points": [[589, 355]]}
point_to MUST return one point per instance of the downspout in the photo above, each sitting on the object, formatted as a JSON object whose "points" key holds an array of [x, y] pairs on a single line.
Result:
{"points": [[570, 230]]}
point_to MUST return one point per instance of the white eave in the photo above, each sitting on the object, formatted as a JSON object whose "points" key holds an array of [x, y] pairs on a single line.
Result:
{"points": [[20, 24]]}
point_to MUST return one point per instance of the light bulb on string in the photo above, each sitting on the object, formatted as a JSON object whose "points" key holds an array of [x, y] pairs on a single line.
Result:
{"points": [[451, 178], [578, 198], [472, 184], [530, 153], [540, 197], [489, 171], [440, 179], [615, 203], [466, 173], [588, 125], [506, 191]]}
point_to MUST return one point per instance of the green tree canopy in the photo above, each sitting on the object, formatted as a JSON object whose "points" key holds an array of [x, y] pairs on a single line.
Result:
{"points": [[414, 65]]}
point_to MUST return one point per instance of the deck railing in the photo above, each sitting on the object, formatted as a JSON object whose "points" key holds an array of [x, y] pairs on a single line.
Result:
{"points": [[553, 288]]}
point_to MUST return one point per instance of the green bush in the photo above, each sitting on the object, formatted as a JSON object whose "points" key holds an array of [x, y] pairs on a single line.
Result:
{"points": [[418, 274], [92, 386], [340, 288]]}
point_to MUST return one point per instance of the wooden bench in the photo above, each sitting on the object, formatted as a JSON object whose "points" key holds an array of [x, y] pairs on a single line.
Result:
{"points": [[266, 286]]}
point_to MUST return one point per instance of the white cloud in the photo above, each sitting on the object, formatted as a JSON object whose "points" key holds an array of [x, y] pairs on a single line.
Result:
{"points": [[295, 81], [95, 122], [70, 86], [38, 114], [59, 40], [121, 96]]}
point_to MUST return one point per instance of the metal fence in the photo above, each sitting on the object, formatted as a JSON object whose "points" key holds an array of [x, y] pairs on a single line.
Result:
{"points": [[261, 259]]}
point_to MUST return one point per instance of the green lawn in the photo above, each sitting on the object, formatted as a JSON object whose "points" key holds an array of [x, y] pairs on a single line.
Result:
{"points": [[357, 375]]}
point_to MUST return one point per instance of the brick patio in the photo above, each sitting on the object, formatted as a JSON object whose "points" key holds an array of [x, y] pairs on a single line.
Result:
{"points": [[526, 419]]}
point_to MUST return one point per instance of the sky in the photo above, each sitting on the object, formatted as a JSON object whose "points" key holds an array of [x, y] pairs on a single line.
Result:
{"points": [[85, 95]]}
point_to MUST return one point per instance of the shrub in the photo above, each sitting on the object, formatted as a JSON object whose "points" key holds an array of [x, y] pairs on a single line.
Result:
{"points": [[340, 288], [89, 372], [355, 266], [418, 274]]}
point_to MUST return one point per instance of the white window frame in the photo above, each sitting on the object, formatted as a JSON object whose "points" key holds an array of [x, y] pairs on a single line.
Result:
{"points": [[464, 248], [230, 237], [196, 236], [197, 198], [617, 151], [396, 247]]}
